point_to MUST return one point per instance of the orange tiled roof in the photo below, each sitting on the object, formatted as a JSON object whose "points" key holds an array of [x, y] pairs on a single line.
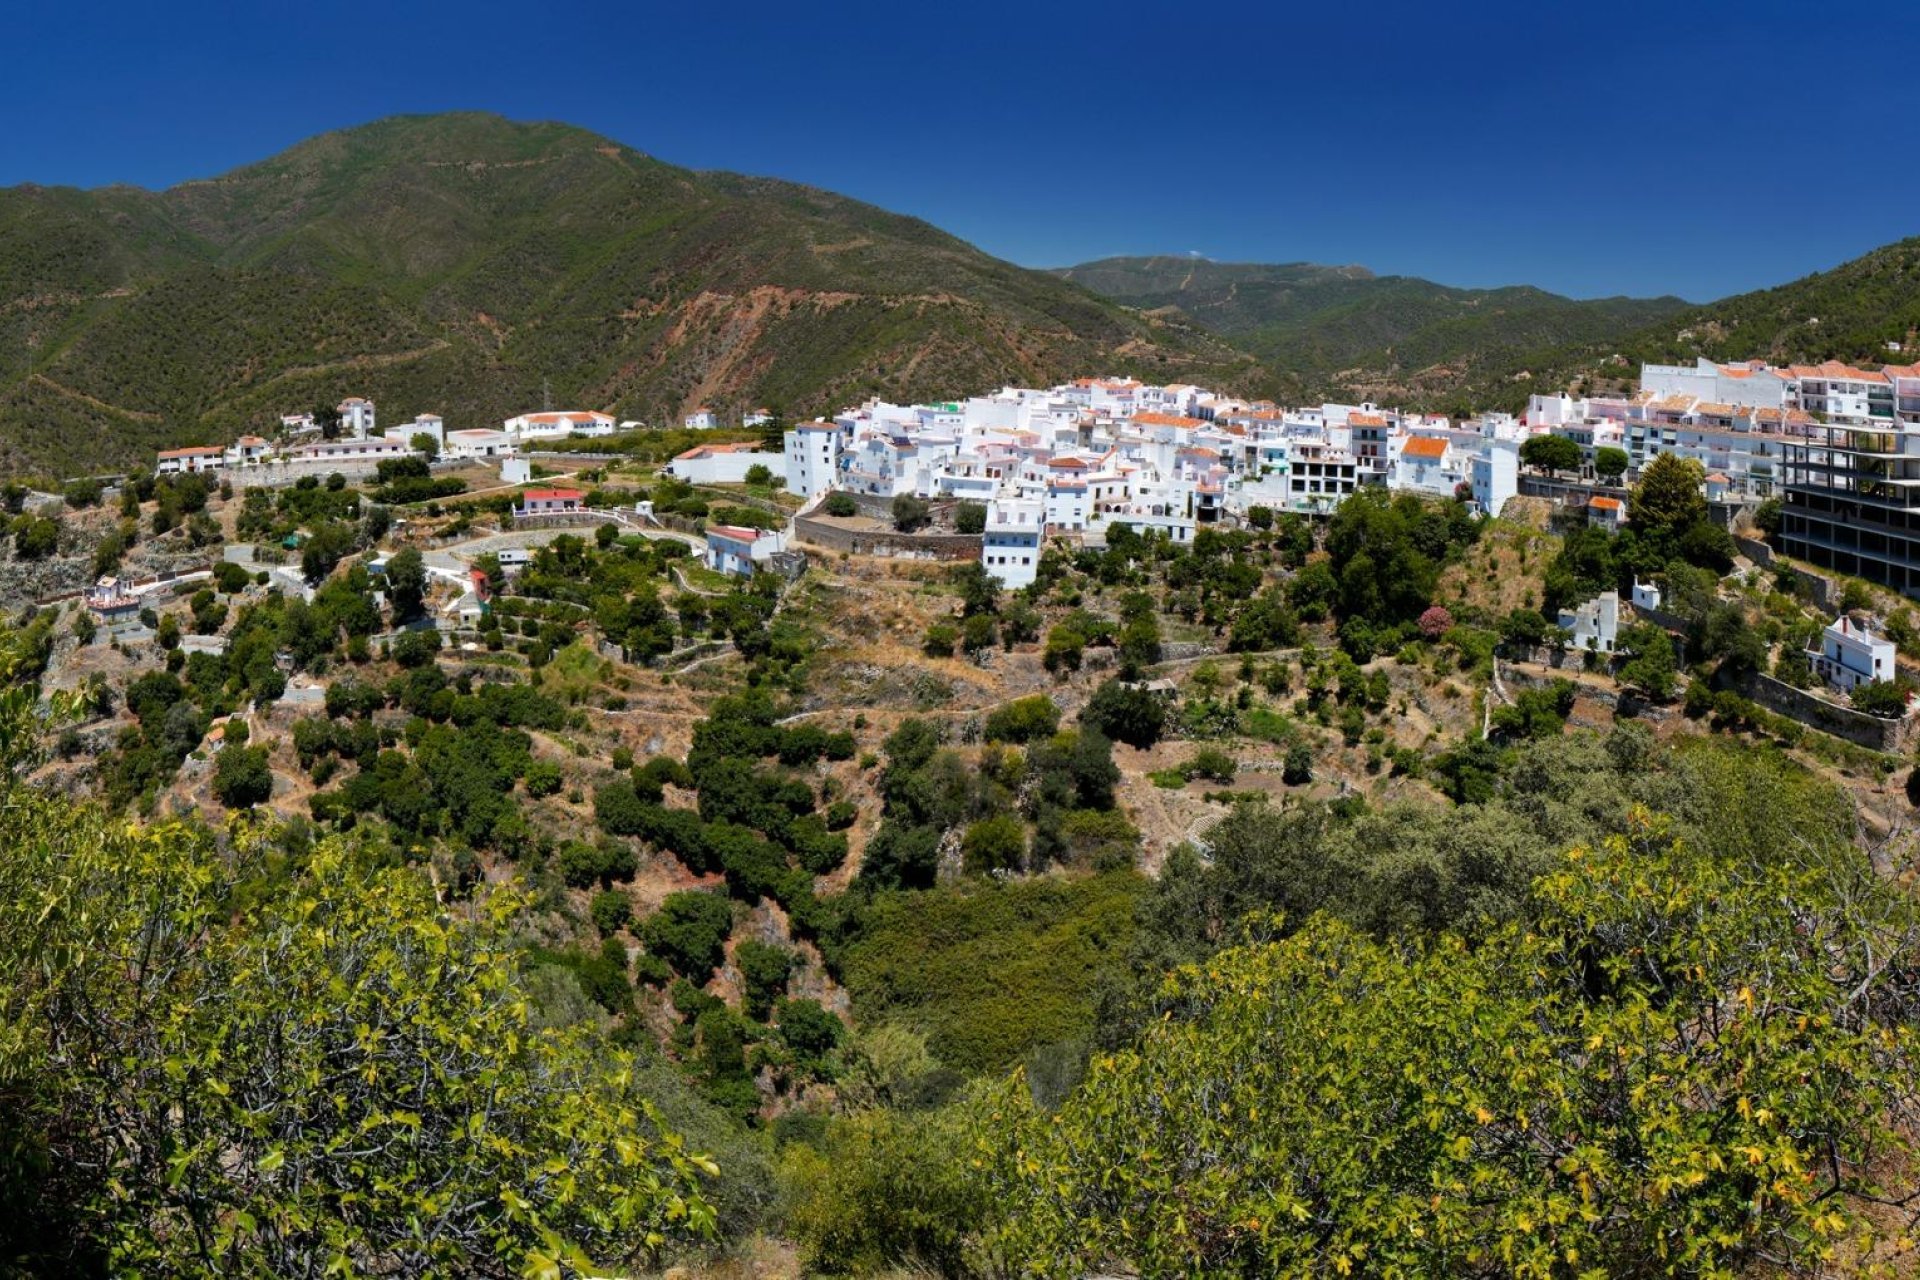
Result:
{"points": [[1604, 504], [1425, 447]]}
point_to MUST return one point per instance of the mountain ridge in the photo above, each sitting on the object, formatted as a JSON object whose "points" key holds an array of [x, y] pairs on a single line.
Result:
{"points": [[460, 263], [1345, 330]]}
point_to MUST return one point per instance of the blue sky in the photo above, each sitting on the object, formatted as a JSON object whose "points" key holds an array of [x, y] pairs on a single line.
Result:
{"points": [[1592, 148]]}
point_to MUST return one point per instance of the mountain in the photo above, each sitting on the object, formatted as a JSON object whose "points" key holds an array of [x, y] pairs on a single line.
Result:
{"points": [[1852, 312], [462, 264], [1344, 330]]}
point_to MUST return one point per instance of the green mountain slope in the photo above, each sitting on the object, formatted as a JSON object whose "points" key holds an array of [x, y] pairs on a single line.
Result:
{"points": [[1344, 330], [1852, 313], [457, 264]]}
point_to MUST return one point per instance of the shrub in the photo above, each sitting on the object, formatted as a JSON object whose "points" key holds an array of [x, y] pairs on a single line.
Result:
{"points": [[1126, 714], [689, 932], [1023, 720], [840, 504], [611, 911]]}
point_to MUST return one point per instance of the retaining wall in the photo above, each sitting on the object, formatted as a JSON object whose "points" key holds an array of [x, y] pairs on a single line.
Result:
{"points": [[878, 542], [1857, 727]]}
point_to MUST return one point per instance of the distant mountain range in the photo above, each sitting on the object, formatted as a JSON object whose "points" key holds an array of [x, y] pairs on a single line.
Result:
{"points": [[1343, 331], [1329, 330], [467, 265], [462, 264]]}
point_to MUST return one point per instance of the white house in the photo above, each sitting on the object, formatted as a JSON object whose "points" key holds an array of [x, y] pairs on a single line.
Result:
{"points": [[1494, 475], [356, 450], [1606, 513], [356, 417], [1010, 549], [194, 458], [702, 419], [812, 456], [478, 442], [558, 424], [738, 551], [247, 451], [1596, 624], [722, 463], [1850, 655], [1646, 595], [426, 424], [757, 418]]}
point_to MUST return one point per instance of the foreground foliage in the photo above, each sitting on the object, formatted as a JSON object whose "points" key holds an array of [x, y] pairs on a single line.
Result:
{"points": [[343, 1076], [1687, 1063]]}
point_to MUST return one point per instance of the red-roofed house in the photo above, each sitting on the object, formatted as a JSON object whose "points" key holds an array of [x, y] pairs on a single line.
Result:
{"points": [[1606, 513], [548, 502]]}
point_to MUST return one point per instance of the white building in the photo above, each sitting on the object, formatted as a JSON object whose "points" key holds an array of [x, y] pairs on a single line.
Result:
{"points": [[248, 451], [1010, 548], [702, 419], [192, 459], [1595, 625], [1850, 655], [558, 424], [1494, 475], [548, 502], [357, 450], [812, 458], [426, 424], [479, 442], [356, 417], [735, 550], [1424, 464], [722, 463]]}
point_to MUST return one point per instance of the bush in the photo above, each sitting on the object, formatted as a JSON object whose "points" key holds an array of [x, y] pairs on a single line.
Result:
{"points": [[998, 843], [764, 969], [690, 932], [611, 910], [242, 778], [1023, 720], [542, 779], [1213, 764], [1126, 713], [841, 505], [910, 514], [1297, 769], [970, 517]]}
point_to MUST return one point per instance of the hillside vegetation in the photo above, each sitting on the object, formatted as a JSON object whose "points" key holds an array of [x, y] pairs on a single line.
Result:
{"points": [[1332, 330], [465, 264]]}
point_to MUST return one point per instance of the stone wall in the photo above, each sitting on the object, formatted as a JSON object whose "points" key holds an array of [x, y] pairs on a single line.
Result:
{"points": [[1816, 712], [879, 542]]}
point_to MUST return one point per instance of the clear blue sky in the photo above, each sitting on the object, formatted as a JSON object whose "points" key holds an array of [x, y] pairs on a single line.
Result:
{"points": [[1616, 147]]}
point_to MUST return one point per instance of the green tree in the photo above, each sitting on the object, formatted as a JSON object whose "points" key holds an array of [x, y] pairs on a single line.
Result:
{"points": [[998, 843], [1023, 720], [1126, 713], [291, 1086], [1652, 668], [970, 517], [841, 505], [910, 513], [689, 932], [242, 778], [407, 584], [1668, 499], [1608, 1082], [1610, 463], [764, 970], [1551, 453]]}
